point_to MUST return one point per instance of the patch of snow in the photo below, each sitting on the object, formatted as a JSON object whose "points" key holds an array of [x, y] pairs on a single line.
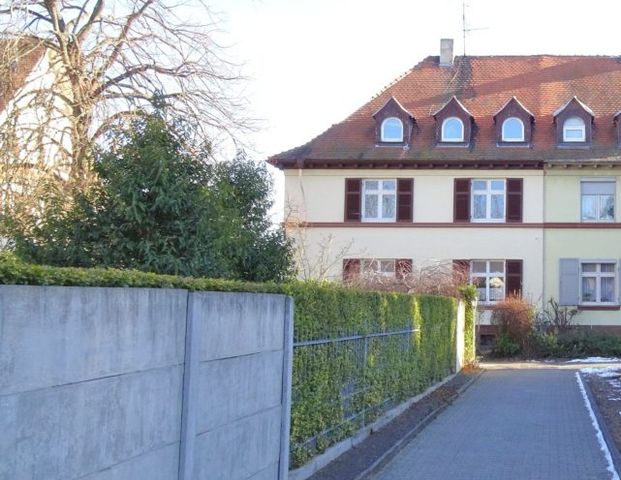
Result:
{"points": [[604, 372], [594, 360], [598, 433]]}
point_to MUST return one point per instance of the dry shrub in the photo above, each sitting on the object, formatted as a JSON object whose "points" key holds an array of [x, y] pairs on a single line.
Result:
{"points": [[515, 318], [436, 279]]}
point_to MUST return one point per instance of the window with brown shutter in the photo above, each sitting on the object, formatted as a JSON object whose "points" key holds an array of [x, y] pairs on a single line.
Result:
{"points": [[403, 267], [514, 277], [515, 188], [353, 199], [461, 200], [351, 269], [405, 194]]}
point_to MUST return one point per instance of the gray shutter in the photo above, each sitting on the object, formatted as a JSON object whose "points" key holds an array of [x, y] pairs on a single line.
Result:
{"points": [[569, 287]]}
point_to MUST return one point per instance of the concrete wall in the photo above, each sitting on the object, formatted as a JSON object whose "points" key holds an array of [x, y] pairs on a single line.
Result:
{"points": [[119, 383]]}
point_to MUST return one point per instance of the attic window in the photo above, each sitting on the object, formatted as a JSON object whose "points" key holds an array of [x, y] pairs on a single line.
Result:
{"points": [[392, 130], [513, 130], [574, 130], [452, 130]]}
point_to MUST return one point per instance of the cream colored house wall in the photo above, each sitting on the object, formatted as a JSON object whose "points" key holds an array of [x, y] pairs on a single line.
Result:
{"points": [[319, 195], [562, 191], [562, 202], [585, 245]]}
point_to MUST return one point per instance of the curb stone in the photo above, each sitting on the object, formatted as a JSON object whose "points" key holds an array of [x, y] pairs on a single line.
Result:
{"points": [[612, 447]]}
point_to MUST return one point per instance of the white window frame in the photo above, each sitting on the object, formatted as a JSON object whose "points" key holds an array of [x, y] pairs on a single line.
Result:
{"points": [[368, 266], [380, 197], [488, 205], [598, 275], [386, 139], [488, 275], [452, 140], [614, 199], [581, 129], [505, 138]]}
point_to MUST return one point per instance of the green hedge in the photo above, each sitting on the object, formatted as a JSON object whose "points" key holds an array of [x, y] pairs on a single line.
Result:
{"points": [[339, 386]]}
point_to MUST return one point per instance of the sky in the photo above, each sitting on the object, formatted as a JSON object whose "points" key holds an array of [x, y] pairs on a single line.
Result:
{"points": [[311, 63]]}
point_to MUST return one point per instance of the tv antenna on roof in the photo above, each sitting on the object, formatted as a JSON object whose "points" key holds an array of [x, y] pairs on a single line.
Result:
{"points": [[465, 29]]}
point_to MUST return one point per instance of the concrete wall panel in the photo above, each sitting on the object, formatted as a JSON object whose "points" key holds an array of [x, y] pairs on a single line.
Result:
{"points": [[58, 335], [245, 323], [73, 430], [236, 387], [241, 449]]}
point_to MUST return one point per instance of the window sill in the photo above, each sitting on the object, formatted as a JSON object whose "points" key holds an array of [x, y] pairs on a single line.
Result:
{"points": [[452, 145], [577, 145], [588, 308]]}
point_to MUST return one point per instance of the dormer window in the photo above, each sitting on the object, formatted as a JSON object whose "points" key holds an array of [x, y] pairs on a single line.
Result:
{"points": [[452, 130], [574, 130], [394, 125], [453, 124], [574, 124], [392, 130], [513, 130], [514, 124]]}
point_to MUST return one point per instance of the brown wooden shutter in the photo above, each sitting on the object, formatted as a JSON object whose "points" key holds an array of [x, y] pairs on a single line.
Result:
{"points": [[353, 199], [403, 267], [514, 278], [351, 269], [461, 271], [461, 200], [405, 194], [515, 188]]}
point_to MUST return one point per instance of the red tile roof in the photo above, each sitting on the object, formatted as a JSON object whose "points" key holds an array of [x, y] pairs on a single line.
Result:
{"points": [[17, 59], [542, 83]]}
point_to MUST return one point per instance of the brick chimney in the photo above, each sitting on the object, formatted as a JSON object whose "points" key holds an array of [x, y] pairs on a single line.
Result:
{"points": [[446, 52]]}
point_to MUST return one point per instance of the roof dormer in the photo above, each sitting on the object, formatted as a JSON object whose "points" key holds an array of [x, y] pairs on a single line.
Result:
{"points": [[574, 124], [393, 124], [453, 124], [514, 124]]}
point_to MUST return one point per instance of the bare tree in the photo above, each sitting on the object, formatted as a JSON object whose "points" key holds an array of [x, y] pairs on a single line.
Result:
{"points": [[108, 60]]}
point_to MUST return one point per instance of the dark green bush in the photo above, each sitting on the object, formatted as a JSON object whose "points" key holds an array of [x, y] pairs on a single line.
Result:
{"points": [[505, 346], [578, 343]]}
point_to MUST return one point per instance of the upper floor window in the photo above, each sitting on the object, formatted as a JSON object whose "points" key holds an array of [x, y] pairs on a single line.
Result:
{"points": [[392, 130], [488, 200], [452, 130], [598, 200], [513, 130], [597, 282], [488, 276], [574, 130], [379, 200]]}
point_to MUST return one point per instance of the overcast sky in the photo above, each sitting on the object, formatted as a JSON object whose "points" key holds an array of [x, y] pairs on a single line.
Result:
{"points": [[313, 62]]}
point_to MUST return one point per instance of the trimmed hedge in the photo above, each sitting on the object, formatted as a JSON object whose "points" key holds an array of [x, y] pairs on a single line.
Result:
{"points": [[338, 386]]}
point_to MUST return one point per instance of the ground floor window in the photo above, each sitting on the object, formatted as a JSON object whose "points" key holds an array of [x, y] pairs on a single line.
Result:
{"points": [[488, 276], [383, 267], [597, 282]]}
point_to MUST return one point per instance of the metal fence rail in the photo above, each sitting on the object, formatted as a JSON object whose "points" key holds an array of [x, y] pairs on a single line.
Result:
{"points": [[352, 360]]}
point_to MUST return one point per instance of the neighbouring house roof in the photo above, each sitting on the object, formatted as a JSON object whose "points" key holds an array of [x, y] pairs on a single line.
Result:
{"points": [[17, 59], [543, 84]]}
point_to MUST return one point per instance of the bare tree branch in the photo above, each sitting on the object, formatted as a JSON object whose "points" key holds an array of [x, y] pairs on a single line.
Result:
{"points": [[103, 62]]}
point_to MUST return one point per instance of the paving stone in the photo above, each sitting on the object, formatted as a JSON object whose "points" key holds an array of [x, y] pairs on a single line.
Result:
{"points": [[511, 424]]}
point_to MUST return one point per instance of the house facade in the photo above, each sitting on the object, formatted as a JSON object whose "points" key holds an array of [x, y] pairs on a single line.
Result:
{"points": [[505, 166]]}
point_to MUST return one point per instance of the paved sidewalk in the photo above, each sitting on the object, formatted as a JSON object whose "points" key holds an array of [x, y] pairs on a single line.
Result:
{"points": [[513, 423]]}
